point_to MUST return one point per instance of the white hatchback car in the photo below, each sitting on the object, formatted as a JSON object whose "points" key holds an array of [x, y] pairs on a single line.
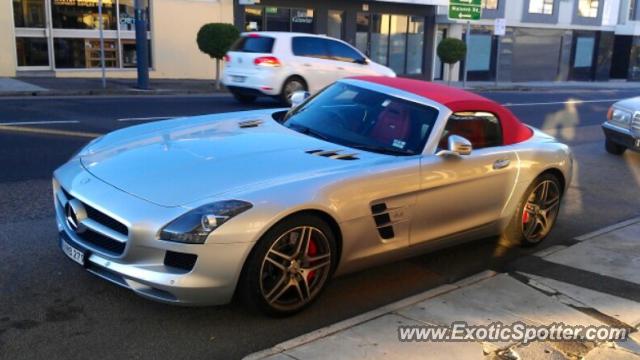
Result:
{"points": [[278, 64]]}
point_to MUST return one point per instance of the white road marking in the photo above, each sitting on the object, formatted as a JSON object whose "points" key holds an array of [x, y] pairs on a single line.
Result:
{"points": [[17, 123], [561, 102], [147, 118]]}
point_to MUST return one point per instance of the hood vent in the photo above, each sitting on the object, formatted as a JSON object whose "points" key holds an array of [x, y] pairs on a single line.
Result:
{"points": [[333, 154], [250, 123]]}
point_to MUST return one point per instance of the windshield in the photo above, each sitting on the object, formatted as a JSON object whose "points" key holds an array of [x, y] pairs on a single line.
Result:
{"points": [[364, 119]]}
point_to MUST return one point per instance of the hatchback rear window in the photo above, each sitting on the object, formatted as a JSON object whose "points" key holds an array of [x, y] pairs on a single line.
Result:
{"points": [[254, 44]]}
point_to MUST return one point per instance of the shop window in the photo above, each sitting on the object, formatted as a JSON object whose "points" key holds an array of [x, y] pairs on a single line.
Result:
{"points": [[588, 8], [83, 14], [302, 20], [277, 18], [415, 45], [632, 10], [253, 18], [398, 43], [362, 32], [128, 15], [379, 42], [480, 46], [84, 53], [490, 4], [544, 7], [335, 24], [29, 13], [129, 55], [32, 51], [583, 57]]}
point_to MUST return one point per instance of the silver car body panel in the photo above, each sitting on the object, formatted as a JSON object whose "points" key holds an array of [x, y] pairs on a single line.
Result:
{"points": [[148, 175]]}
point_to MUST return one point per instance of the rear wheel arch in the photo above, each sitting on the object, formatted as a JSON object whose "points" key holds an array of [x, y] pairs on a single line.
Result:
{"points": [[294, 76], [558, 174]]}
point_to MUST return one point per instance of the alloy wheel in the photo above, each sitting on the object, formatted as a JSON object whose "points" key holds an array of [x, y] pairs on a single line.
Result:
{"points": [[295, 268], [540, 211], [291, 87]]}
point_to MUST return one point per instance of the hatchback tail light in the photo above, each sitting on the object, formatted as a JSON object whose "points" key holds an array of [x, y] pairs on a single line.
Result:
{"points": [[227, 58], [267, 61]]}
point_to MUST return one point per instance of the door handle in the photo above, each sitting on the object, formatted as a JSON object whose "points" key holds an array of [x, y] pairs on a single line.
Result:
{"points": [[340, 68], [501, 164], [307, 65]]}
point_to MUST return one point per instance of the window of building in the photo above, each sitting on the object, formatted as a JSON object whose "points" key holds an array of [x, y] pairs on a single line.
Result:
{"points": [[541, 7], [482, 129], [588, 8], [29, 13], [415, 45], [480, 47], [32, 51], [335, 24], [632, 10], [583, 57], [84, 53], [128, 14], [490, 4], [83, 14], [271, 18]]}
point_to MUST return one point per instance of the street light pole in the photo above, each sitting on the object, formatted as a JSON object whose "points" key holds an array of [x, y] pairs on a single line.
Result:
{"points": [[101, 28], [142, 49]]}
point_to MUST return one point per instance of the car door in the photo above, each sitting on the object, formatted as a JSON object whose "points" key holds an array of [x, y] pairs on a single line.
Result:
{"points": [[349, 61], [465, 194], [313, 61]]}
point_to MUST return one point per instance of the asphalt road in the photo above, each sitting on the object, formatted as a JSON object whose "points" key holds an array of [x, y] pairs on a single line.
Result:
{"points": [[50, 308]]}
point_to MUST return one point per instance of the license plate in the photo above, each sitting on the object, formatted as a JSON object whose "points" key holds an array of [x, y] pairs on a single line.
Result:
{"points": [[73, 253], [238, 79]]}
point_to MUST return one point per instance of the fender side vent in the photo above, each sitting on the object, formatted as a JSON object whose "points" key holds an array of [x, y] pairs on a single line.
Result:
{"points": [[333, 154], [383, 220], [249, 123]]}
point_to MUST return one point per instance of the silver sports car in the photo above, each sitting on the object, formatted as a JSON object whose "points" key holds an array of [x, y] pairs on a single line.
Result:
{"points": [[270, 204]]}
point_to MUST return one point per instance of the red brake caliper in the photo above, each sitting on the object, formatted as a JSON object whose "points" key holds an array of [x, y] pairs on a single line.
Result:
{"points": [[313, 251], [525, 215]]}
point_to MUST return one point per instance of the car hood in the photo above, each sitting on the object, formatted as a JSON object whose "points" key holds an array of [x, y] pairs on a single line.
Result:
{"points": [[182, 161], [631, 104]]}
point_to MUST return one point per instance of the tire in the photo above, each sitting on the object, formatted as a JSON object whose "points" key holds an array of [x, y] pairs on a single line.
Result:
{"points": [[244, 99], [279, 278], [293, 84], [535, 210], [613, 148]]}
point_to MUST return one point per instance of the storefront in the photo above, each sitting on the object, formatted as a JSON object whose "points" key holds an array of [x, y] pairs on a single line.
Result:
{"points": [[398, 35]]}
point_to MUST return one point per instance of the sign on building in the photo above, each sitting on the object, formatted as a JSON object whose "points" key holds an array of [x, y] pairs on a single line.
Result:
{"points": [[465, 9], [500, 27]]}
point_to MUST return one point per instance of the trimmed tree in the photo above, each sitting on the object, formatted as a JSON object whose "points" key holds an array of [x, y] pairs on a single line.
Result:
{"points": [[450, 51], [215, 39]]}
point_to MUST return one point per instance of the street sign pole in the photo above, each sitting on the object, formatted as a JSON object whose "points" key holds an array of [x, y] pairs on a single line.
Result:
{"points": [[142, 49], [102, 62], [466, 56]]}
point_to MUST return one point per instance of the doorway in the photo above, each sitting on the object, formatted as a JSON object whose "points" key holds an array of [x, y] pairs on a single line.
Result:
{"points": [[621, 56]]}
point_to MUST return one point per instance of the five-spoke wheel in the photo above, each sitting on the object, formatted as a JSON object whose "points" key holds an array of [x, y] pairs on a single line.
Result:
{"points": [[289, 266]]}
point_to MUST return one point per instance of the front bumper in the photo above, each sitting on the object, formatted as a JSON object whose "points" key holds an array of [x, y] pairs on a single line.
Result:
{"points": [[141, 265], [622, 136]]}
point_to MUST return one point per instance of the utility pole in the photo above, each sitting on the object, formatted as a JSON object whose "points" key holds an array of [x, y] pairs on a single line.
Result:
{"points": [[466, 56], [101, 28], [142, 48]]}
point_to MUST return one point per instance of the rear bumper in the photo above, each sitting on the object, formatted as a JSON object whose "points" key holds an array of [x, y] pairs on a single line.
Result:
{"points": [[259, 83], [622, 136]]}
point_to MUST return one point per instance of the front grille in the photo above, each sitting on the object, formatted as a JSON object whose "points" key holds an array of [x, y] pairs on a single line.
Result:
{"points": [[635, 123], [97, 239]]}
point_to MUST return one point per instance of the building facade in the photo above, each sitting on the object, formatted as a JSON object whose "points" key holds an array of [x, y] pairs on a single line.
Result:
{"points": [[550, 40], [61, 37], [545, 39]]}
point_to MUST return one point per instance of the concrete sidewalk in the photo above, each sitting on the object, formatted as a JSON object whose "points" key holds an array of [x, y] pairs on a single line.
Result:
{"points": [[50, 86], [595, 282]]}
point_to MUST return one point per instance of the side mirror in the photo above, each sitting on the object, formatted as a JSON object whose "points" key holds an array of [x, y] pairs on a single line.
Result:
{"points": [[362, 61], [298, 98], [458, 146]]}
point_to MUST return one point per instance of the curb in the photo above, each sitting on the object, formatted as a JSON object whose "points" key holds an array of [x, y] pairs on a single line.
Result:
{"points": [[98, 93], [393, 307], [370, 315]]}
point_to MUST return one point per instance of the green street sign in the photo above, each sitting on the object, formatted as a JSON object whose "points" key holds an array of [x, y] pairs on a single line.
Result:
{"points": [[465, 9]]}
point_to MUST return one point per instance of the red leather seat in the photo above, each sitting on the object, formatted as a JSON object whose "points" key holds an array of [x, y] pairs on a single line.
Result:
{"points": [[471, 129], [394, 123]]}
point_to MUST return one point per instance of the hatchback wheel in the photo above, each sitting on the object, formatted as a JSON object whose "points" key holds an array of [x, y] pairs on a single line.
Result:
{"points": [[289, 267], [537, 212], [292, 85]]}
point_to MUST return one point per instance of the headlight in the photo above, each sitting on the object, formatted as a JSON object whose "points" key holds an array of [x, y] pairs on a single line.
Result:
{"points": [[194, 226], [619, 116]]}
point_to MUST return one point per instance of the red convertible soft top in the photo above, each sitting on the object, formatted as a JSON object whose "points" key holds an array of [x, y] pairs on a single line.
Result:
{"points": [[513, 131]]}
